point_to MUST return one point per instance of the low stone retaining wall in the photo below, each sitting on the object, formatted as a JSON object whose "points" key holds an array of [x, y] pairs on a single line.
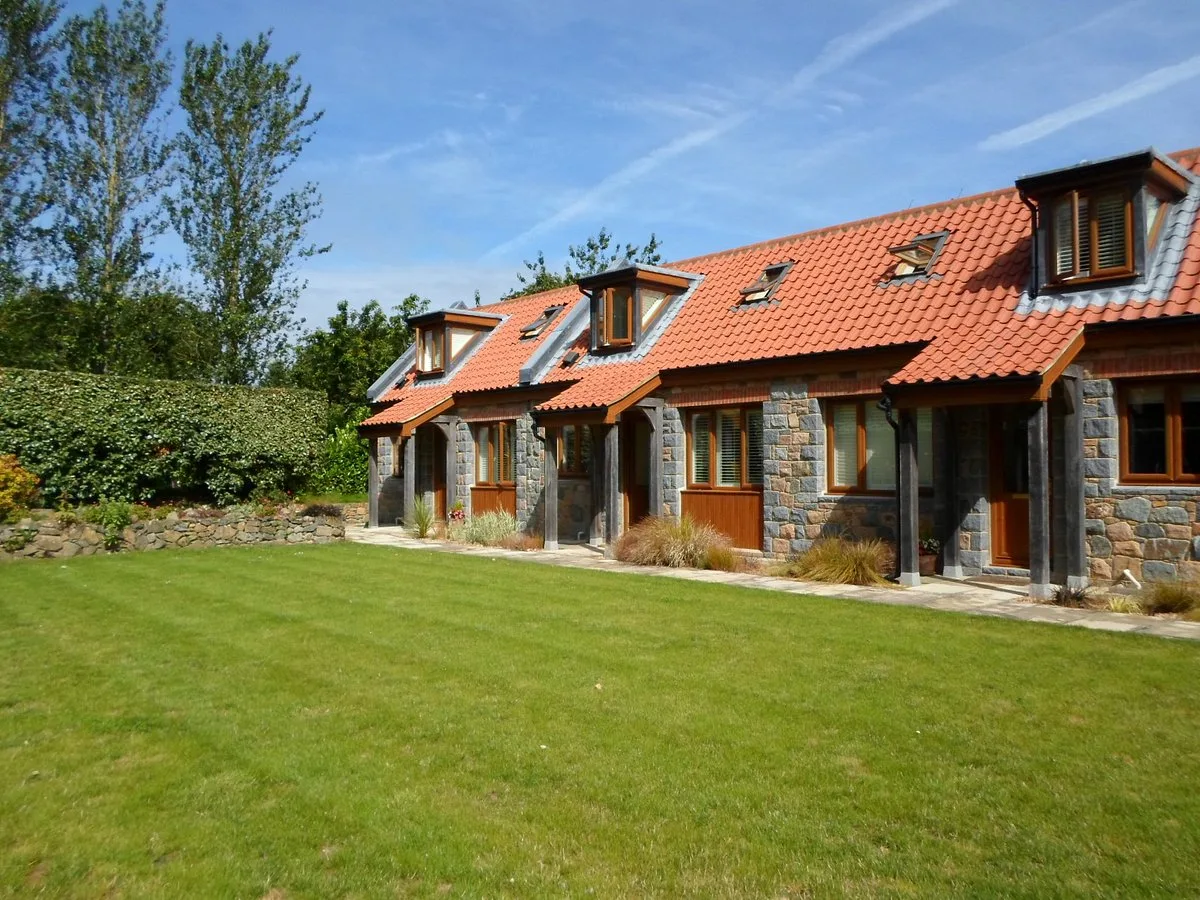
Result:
{"points": [[354, 513], [49, 538]]}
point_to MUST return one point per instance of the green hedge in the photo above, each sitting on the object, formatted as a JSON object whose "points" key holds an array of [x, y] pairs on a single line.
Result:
{"points": [[90, 436]]}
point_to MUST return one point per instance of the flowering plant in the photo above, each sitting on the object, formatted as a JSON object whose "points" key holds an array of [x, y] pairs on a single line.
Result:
{"points": [[458, 513], [929, 546]]}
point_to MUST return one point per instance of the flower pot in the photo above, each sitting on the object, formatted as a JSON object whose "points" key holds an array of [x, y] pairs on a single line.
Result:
{"points": [[927, 563]]}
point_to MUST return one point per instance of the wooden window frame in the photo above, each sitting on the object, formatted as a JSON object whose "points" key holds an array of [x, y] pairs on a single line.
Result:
{"points": [[572, 468], [860, 488], [496, 445], [1095, 273], [606, 336], [1172, 389], [421, 332], [713, 412]]}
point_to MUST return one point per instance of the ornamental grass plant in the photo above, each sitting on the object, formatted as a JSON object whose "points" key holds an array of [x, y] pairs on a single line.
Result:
{"points": [[676, 543], [840, 560]]}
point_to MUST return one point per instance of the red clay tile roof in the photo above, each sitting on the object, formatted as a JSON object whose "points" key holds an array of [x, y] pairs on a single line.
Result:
{"points": [[837, 297]]}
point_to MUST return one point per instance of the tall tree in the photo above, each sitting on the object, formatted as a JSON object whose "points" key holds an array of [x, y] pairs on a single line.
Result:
{"points": [[26, 74], [247, 122], [594, 255], [109, 159], [355, 348]]}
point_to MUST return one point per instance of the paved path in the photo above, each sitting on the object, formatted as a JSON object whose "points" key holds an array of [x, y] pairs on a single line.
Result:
{"points": [[936, 593]]}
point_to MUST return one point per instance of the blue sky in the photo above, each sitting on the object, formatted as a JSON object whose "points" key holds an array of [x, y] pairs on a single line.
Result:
{"points": [[460, 138]]}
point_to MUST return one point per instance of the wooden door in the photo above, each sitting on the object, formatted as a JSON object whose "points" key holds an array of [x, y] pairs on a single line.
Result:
{"points": [[1009, 477], [635, 475], [439, 473]]}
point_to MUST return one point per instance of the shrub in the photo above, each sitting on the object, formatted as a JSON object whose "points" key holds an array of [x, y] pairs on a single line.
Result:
{"points": [[724, 559], [1120, 603], [113, 517], [322, 509], [1078, 597], [1171, 597], [521, 541], [675, 543], [423, 517], [18, 488], [488, 529], [342, 463], [840, 561], [92, 436]]}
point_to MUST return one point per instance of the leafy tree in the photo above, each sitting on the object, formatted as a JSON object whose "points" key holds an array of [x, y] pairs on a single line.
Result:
{"points": [[344, 359], [26, 73], [109, 161], [594, 255], [247, 122]]}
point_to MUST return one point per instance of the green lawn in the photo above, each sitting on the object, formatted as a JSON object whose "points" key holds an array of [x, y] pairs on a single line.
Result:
{"points": [[354, 721]]}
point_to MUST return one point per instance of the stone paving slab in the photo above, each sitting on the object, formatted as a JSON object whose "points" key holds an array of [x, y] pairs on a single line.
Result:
{"points": [[939, 594]]}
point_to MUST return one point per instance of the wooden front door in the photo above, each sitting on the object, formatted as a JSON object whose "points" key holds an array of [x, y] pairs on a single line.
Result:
{"points": [[1009, 478], [635, 465], [439, 473]]}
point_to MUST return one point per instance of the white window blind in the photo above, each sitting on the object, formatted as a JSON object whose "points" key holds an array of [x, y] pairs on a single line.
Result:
{"points": [[881, 450], [845, 444], [700, 448], [754, 446], [1110, 228], [483, 454], [729, 448], [1064, 246]]}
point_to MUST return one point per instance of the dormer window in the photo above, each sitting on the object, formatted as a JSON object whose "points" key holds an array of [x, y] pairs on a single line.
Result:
{"points": [[1092, 234], [431, 349], [763, 287], [918, 255], [445, 337], [626, 303], [539, 325], [1100, 221]]}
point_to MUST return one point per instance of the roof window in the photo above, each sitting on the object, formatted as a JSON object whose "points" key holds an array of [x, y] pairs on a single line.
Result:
{"points": [[918, 255], [763, 287], [539, 325]]}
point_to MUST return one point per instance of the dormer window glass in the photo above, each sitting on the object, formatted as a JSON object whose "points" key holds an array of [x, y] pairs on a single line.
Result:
{"points": [[1092, 234], [431, 350], [541, 323], [618, 317], [918, 255], [626, 302]]}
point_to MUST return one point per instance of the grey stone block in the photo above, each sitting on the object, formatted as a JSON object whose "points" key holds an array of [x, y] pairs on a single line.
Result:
{"points": [[1149, 530], [1099, 545], [1106, 407], [1100, 468], [1172, 515], [1097, 387], [1135, 509], [1094, 526], [1156, 570], [1105, 427]]}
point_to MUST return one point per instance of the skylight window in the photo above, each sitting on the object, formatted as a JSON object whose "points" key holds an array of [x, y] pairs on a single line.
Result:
{"points": [[539, 325], [917, 256], [763, 287]]}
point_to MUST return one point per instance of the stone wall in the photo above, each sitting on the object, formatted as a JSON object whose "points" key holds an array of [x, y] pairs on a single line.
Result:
{"points": [[530, 476], [48, 538], [1151, 531], [674, 460]]}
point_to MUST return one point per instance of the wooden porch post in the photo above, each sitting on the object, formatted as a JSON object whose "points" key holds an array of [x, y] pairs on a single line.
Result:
{"points": [[653, 409], [596, 534], [1073, 497], [947, 482], [550, 489], [410, 477], [906, 486], [448, 432], [1038, 431], [612, 484], [372, 482]]}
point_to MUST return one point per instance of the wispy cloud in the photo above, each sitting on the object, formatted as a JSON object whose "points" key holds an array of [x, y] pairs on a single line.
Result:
{"points": [[835, 54], [1153, 83], [447, 138]]}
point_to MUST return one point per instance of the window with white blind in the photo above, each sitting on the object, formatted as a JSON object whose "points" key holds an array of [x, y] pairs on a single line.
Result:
{"points": [[1091, 235], [725, 448], [862, 448], [495, 449]]}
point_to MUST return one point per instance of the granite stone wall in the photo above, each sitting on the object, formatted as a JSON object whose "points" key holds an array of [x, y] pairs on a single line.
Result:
{"points": [[1153, 532], [29, 539]]}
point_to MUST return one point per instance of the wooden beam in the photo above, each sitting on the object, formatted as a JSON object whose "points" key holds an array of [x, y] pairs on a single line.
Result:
{"points": [[596, 534], [372, 482], [410, 477], [550, 490], [1038, 433], [891, 358], [972, 393], [1074, 524], [1066, 358], [612, 484], [907, 487], [449, 430], [653, 412], [649, 386]]}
